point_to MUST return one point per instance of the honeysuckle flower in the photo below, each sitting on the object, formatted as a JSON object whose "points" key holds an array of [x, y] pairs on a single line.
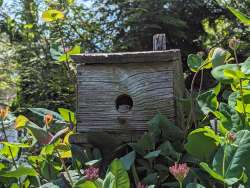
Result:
{"points": [[48, 118], [234, 43], [140, 185], [231, 137], [4, 110], [91, 173], [179, 171]]}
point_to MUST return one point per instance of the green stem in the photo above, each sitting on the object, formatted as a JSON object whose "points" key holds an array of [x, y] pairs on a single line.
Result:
{"points": [[6, 139], [180, 183], [64, 166]]}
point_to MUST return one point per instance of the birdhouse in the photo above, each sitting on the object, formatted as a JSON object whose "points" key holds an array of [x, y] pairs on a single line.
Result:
{"points": [[118, 93]]}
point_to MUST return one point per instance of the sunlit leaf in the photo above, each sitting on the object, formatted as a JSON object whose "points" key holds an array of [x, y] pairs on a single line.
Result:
{"points": [[67, 115], [52, 15], [242, 17], [21, 121], [19, 172]]}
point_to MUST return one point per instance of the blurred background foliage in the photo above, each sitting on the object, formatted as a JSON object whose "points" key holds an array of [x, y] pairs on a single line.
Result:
{"points": [[32, 74]]}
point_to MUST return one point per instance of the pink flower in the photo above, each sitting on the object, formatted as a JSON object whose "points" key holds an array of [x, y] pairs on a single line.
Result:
{"points": [[140, 185], [91, 173], [179, 171]]}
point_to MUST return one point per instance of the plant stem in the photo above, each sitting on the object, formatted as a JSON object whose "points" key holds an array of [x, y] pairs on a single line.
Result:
{"points": [[241, 87], [6, 139], [65, 168], [180, 183]]}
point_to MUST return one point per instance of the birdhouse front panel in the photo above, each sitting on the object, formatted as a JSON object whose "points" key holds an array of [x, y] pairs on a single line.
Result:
{"points": [[121, 92]]}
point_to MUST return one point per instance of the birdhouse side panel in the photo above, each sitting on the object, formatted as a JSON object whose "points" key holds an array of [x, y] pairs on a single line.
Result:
{"points": [[149, 86]]}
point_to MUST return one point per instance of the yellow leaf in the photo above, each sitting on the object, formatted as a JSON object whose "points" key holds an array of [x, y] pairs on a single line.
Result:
{"points": [[52, 15], [66, 154], [66, 138], [21, 121]]}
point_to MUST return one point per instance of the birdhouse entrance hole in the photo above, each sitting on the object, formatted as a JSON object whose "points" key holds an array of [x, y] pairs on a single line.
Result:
{"points": [[124, 103]]}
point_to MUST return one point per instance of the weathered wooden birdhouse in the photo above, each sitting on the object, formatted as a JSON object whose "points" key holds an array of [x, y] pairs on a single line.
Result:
{"points": [[118, 93]]}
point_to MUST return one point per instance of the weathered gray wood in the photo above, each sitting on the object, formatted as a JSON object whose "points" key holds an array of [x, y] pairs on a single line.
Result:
{"points": [[159, 42], [152, 79], [127, 57]]}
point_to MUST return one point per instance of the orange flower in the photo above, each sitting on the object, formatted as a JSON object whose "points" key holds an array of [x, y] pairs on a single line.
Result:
{"points": [[4, 110], [48, 118]]}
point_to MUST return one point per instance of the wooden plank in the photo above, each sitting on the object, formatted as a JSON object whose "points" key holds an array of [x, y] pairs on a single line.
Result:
{"points": [[126, 57]]}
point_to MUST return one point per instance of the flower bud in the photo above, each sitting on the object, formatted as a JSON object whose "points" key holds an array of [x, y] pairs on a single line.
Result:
{"points": [[4, 110], [231, 137], [48, 118], [179, 171], [234, 43]]}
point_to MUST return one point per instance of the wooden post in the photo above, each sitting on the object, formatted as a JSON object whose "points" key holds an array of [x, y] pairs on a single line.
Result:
{"points": [[159, 42]]}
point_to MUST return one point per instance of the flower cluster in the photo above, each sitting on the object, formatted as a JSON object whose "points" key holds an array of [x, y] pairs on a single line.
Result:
{"points": [[91, 173], [179, 171]]}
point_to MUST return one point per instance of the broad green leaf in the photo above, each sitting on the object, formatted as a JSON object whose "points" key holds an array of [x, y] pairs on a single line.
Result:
{"points": [[21, 121], [168, 150], [245, 67], [218, 56], [161, 126], [128, 160], [40, 134], [152, 154], [194, 185], [236, 157], [218, 72], [43, 111], [19, 172], [52, 15], [109, 181], [194, 62], [86, 184], [15, 145], [67, 115], [202, 143], [242, 17], [8, 152], [150, 179], [208, 102], [145, 144], [121, 176]]}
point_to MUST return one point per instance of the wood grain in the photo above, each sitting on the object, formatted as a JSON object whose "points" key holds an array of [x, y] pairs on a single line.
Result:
{"points": [[149, 78]]}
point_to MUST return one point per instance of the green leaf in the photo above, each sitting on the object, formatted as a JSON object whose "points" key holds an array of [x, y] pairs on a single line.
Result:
{"points": [[245, 67], [67, 115], [194, 62], [168, 150], [19, 172], [152, 154], [194, 185], [128, 160], [208, 102], [92, 162], [161, 126], [218, 56], [86, 184], [52, 15], [218, 73], [212, 173], [43, 111], [145, 144], [242, 17], [202, 143], [15, 145], [121, 176], [109, 181], [236, 157]]}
